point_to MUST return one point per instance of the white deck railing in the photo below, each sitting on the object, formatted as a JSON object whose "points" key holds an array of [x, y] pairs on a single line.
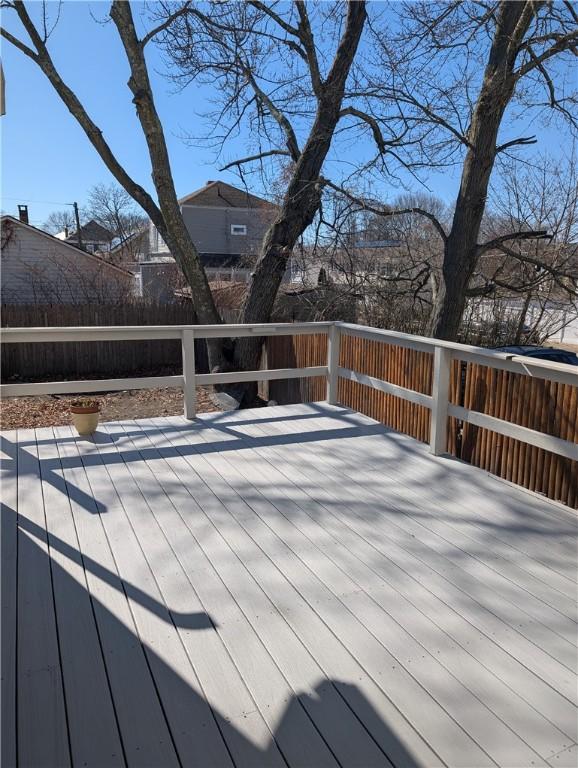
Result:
{"points": [[438, 402]]}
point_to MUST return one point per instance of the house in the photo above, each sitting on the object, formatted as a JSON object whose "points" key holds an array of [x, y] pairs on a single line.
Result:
{"points": [[226, 224], [38, 268], [93, 237], [132, 250]]}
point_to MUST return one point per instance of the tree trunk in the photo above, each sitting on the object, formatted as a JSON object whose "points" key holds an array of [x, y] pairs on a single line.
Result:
{"points": [[166, 216], [303, 195], [461, 247], [522, 318], [170, 224]]}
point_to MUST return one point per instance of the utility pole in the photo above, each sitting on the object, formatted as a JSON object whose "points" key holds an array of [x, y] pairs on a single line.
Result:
{"points": [[76, 216]]}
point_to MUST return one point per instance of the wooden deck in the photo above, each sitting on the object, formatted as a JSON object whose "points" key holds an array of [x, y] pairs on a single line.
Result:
{"points": [[289, 586]]}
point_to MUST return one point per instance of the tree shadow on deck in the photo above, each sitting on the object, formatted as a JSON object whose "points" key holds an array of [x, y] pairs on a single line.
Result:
{"points": [[438, 479], [82, 687]]}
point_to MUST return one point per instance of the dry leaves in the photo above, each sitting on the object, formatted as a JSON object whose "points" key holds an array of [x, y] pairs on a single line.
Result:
{"points": [[53, 410]]}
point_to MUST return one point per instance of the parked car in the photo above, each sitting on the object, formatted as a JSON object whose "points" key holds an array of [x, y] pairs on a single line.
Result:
{"points": [[543, 353]]}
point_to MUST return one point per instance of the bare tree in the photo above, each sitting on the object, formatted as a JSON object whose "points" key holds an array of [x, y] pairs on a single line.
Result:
{"points": [[520, 49], [165, 214], [60, 221], [230, 35], [539, 278], [113, 208], [273, 76], [388, 265]]}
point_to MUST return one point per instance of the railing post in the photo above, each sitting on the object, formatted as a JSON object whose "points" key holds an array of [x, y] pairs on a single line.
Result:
{"points": [[440, 400], [189, 385], [333, 337]]}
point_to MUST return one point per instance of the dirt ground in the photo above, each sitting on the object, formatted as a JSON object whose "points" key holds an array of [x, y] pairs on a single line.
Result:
{"points": [[53, 410]]}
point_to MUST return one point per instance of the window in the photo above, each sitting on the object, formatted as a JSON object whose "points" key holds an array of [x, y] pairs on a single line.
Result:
{"points": [[238, 229]]}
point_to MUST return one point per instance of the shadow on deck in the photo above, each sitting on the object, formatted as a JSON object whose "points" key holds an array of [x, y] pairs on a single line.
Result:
{"points": [[293, 586]]}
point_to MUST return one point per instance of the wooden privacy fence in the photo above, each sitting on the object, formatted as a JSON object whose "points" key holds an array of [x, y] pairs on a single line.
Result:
{"points": [[516, 417], [59, 360], [547, 407]]}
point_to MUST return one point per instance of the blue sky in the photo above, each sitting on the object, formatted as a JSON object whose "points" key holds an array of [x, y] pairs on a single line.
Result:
{"points": [[48, 162], [46, 157]]}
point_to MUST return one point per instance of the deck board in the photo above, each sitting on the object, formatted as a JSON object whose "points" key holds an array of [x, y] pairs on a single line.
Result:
{"points": [[485, 686], [356, 600], [291, 586], [9, 565], [140, 715], [222, 683], [450, 562], [43, 737], [93, 731], [194, 727], [354, 539]]}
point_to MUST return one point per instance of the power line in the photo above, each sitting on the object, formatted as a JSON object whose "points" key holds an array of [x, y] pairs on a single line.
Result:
{"points": [[39, 202]]}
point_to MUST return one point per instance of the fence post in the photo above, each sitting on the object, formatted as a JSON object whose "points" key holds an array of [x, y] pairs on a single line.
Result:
{"points": [[333, 337], [440, 400], [189, 386]]}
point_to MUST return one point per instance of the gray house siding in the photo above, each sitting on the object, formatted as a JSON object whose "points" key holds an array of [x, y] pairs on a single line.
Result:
{"points": [[211, 230], [39, 269]]}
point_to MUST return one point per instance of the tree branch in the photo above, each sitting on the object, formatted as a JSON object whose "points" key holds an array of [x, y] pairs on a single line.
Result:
{"points": [[386, 212], [554, 271], [252, 158], [275, 16], [431, 115], [18, 44], [92, 131], [567, 42], [282, 121], [523, 140], [373, 124], [541, 234], [166, 23], [306, 36]]}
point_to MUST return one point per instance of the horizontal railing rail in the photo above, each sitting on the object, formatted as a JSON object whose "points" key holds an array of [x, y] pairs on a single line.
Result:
{"points": [[438, 401], [188, 381], [560, 372], [147, 332], [444, 352]]}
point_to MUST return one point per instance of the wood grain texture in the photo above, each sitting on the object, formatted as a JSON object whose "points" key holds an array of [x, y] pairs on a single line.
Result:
{"points": [[284, 587]]}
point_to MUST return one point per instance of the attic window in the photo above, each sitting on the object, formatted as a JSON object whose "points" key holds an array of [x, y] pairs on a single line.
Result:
{"points": [[238, 229]]}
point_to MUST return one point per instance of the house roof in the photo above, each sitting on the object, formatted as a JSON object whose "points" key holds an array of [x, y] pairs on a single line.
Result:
{"points": [[92, 232], [66, 244], [134, 236], [218, 194]]}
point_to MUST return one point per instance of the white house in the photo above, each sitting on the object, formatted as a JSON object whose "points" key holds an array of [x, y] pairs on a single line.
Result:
{"points": [[37, 268]]}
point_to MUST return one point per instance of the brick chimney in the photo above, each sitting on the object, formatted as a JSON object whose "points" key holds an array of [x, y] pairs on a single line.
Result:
{"points": [[23, 213]]}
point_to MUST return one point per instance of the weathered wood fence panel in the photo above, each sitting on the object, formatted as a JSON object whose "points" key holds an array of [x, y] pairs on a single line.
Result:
{"points": [[55, 360], [542, 405]]}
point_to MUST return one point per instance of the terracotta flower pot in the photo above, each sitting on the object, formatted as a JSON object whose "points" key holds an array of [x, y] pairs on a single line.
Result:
{"points": [[85, 417]]}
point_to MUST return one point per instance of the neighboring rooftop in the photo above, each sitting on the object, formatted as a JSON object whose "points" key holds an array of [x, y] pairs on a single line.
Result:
{"points": [[92, 232], [13, 221], [218, 194]]}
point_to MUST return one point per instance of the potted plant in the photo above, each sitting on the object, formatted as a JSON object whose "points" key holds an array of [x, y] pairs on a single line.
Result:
{"points": [[85, 414]]}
